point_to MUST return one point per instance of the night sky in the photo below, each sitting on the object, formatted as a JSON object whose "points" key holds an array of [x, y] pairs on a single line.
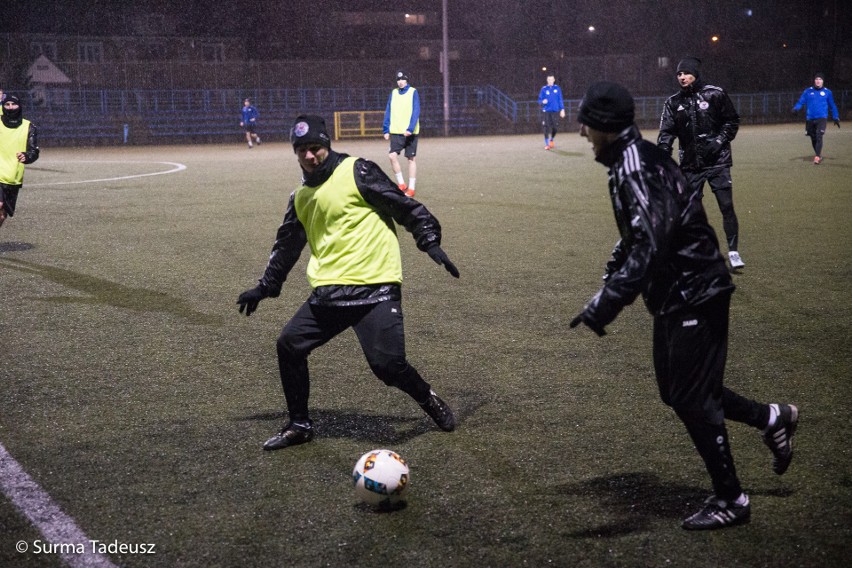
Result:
{"points": [[504, 27]]}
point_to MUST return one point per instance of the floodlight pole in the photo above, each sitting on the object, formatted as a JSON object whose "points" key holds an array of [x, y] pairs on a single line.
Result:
{"points": [[445, 69]]}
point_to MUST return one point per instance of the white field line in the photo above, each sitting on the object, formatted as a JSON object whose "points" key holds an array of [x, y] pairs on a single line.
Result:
{"points": [[177, 168], [57, 527]]}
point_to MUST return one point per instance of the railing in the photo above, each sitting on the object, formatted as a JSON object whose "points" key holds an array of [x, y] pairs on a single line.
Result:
{"points": [[143, 116], [752, 107]]}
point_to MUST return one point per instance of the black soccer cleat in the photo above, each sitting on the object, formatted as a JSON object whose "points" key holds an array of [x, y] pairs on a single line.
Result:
{"points": [[438, 410], [290, 435], [717, 514], [779, 437]]}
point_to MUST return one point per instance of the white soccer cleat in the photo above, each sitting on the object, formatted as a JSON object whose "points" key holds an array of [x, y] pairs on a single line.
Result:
{"points": [[736, 261]]}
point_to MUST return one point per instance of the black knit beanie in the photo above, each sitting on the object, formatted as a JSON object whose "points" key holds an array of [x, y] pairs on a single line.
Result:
{"points": [[691, 65], [309, 129], [13, 118], [607, 107]]}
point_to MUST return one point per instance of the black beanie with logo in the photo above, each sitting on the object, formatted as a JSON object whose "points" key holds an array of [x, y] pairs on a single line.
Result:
{"points": [[309, 129]]}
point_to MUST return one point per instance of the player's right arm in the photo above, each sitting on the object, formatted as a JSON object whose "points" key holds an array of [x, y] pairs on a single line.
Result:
{"points": [[289, 242], [802, 101], [386, 123], [668, 128]]}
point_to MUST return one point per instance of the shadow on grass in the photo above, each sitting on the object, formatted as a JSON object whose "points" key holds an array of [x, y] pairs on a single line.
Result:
{"points": [[104, 292], [13, 246], [382, 429], [637, 499], [570, 154]]}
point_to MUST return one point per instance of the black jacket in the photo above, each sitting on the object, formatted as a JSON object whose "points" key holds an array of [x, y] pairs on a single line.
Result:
{"points": [[380, 192], [704, 121], [667, 252]]}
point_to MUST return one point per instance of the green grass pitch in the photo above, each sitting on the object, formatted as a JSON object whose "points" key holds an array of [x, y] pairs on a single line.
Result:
{"points": [[138, 398]]}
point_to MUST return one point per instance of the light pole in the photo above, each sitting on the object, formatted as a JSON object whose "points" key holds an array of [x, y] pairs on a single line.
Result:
{"points": [[445, 69]]}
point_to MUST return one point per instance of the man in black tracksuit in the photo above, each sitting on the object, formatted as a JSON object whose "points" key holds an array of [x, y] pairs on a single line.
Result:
{"points": [[669, 253], [345, 212], [704, 121]]}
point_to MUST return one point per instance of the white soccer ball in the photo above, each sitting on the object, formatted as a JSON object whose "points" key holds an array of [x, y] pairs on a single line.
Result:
{"points": [[381, 478]]}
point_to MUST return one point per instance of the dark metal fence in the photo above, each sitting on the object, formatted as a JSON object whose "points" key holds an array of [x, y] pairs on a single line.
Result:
{"points": [[112, 116]]}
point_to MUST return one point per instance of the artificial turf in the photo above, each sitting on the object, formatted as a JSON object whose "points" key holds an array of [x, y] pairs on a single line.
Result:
{"points": [[138, 398]]}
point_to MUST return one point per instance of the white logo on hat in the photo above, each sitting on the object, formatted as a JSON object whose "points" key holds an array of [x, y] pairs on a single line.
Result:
{"points": [[703, 105], [300, 129]]}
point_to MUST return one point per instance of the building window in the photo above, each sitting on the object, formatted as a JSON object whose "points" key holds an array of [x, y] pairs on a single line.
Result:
{"points": [[90, 52], [46, 48], [663, 62], [213, 52]]}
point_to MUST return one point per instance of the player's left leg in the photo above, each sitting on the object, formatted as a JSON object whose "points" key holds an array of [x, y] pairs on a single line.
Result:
{"points": [[411, 154], [721, 184], [381, 333], [554, 128], [819, 132], [690, 350]]}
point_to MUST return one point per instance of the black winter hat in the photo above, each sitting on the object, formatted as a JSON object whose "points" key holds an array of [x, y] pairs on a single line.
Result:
{"points": [[309, 129], [607, 107], [691, 65], [12, 118], [400, 75], [820, 75]]}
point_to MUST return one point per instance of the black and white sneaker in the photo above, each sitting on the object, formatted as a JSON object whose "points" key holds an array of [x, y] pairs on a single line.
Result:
{"points": [[779, 437], [292, 434], [438, 410], [717, 514]]}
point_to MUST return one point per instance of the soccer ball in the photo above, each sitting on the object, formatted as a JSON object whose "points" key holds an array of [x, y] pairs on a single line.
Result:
{"points": [[381, 478]]}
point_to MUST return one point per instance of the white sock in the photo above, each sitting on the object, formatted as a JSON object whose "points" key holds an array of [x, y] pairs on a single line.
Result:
{"points": [[773, 416], [411, 183], [399, 179]]}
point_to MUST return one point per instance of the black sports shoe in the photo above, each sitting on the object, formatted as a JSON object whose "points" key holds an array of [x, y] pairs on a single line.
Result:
{"points": [[438, 410], [779, 437], [290, 435], [717, 514]]}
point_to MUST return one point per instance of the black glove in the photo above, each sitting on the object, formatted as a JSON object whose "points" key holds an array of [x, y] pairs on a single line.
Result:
{"points": [[716, 145], [249, 299], [582, 318], [837, 123], [439, 256]]}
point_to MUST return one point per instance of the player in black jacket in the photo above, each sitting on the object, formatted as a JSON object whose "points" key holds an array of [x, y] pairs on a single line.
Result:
{"points": [[704, 121], [669, 253]]}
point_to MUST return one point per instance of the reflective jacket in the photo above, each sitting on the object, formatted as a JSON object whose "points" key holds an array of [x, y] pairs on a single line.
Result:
{"points": [[667, 251], [22, 138], [704, 121], [380, 196]]}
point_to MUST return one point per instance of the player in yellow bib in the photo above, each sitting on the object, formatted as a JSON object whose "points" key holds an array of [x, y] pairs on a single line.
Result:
{"points": [[18, 146], [345, 211], [402, 128]]}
